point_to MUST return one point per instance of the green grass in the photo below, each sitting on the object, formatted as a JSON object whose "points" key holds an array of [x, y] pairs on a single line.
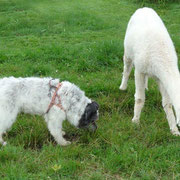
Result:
{"points": [[82, 41]]}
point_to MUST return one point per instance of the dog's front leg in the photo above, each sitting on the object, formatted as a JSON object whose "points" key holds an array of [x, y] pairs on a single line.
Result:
{"points": [[54, 121], [58, 136]]}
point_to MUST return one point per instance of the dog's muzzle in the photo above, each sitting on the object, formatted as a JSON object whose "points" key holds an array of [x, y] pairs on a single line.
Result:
{"points": [[92, 127]]}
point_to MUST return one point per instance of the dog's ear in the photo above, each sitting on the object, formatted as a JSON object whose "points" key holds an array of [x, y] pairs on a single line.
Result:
{"points": [[89, 113], [95, 104]]}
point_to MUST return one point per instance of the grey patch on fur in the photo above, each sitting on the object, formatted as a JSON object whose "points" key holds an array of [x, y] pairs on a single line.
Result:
{"points": [[89, 117]]}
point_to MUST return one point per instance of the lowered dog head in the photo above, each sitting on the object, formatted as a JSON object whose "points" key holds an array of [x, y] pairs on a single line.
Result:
{"points": [[89, 117]]}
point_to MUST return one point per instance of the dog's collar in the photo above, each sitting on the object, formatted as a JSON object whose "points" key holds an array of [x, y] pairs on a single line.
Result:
{"points": [[52, 103]]}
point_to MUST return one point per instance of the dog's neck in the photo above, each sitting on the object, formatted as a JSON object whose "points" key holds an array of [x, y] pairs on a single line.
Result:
{"points": [[74, 102]]}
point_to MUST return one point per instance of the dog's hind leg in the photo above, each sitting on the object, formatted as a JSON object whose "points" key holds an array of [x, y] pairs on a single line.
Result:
{"points": [[167, 105], [139, 95], [54, 120], [7, 118], [126, 72]]}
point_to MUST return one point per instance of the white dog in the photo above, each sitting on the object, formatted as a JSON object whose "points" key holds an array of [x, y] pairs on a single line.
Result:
{"points": [[47, 97]]}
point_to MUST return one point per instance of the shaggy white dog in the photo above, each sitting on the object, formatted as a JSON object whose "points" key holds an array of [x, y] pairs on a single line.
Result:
{"points": [[49, 98]]}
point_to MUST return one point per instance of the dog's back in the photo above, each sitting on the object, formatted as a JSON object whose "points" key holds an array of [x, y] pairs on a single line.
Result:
{"points": [[148, 43]]}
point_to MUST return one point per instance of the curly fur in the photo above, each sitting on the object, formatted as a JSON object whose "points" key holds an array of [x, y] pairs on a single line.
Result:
{"points": [[33, 95]]}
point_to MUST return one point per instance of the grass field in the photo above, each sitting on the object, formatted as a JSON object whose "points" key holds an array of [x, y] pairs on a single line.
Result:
{"points": [[82, 42]]}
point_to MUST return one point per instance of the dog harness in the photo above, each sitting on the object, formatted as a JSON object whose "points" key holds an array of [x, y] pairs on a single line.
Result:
{"points": [[54, 97]]}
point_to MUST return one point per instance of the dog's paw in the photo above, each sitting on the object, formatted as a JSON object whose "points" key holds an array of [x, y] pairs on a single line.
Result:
{"points": [[176, 133], [3, 143], [135, 121], [123, 87], [65, 143], [68, 143]]}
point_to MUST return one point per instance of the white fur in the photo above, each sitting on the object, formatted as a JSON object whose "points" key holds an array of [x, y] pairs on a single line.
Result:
{"points": [[33, 95], [150, 49]]}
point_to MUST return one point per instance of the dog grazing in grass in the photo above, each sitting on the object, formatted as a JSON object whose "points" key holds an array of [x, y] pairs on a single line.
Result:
{"points": [[56, 101]]}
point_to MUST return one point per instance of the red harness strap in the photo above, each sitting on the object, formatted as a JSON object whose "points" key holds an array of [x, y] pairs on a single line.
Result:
{"points": [[54, 98]]}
